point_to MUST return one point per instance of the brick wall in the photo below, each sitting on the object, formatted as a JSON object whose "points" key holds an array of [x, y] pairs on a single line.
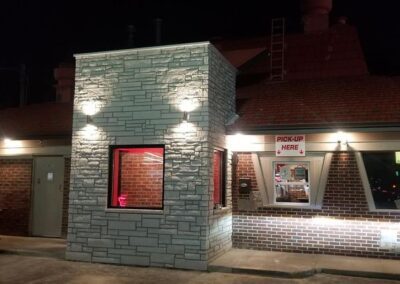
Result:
{"points": [[67, 173], [141, 181], [353, 230], [15, 196]]}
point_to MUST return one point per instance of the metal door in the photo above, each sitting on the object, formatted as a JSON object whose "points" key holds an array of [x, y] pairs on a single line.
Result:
{"points": [[48, 196]]}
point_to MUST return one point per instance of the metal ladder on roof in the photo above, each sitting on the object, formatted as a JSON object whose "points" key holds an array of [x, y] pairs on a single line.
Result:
{"points": [[277, 49]]}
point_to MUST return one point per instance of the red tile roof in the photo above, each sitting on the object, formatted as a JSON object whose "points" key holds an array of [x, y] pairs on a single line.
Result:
{"points": [[39, 121], [361, 101]]}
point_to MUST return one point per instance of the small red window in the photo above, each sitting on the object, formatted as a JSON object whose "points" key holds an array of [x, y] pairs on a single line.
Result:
{"points": [[136, 177], [219, 178]]}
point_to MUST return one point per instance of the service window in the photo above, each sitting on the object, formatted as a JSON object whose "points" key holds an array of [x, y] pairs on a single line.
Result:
{"points": [[136, 177], [297, 182], [219, 178], [292, 182], [383, 174]]}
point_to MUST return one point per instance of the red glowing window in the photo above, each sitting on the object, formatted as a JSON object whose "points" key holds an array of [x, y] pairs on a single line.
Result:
{"points": [[219, 178], [136, 177]]}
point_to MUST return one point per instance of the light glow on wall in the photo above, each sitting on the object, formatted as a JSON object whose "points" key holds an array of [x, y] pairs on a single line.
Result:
{"points": [[90, 107], [185, 130], [327, 221], [9, 143], [188, 104], [91, 132], [13, 147], [342, 138], [240, 142], [329, 231]]}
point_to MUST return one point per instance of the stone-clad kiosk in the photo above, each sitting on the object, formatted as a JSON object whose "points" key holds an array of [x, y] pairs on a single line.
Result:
{"points": [[134, 97]]}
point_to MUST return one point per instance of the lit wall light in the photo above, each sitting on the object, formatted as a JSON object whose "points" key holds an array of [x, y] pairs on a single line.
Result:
{"points": [[90, 108], [9, 143], [341, 138], [186, 116], [187, 105]]}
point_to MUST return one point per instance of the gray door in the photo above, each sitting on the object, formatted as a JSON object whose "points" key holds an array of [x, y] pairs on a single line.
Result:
{"points": [[48, 196]]}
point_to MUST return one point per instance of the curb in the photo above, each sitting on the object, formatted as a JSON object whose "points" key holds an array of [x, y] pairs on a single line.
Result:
{"points": [[365, 274], [304, 273], [264, 272]]}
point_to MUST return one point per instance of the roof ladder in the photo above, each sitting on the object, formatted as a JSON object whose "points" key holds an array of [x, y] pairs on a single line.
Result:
{"points": [[277, 49]]}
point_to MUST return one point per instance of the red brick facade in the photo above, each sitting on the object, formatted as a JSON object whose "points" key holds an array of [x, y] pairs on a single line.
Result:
{"points": [[67, 172], [15, 196], [353, 230], [141, 181]]}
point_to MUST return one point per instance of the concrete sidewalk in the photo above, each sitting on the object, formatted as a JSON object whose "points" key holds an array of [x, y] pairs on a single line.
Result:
{"points": [[296, 265], [34, 246], [266, 263]]}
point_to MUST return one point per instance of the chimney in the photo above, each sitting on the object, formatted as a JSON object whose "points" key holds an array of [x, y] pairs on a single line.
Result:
{"points": [[65, 77], [316, 15]]}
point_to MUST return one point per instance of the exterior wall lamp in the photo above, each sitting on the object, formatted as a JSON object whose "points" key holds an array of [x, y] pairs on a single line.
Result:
{"points": [[10, 143], [186, 116], [89, 119], [342, 138], [186, 106], [90, 108]]}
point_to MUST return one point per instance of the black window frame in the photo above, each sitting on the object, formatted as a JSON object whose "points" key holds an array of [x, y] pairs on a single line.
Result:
{"points": [[111, 176]]}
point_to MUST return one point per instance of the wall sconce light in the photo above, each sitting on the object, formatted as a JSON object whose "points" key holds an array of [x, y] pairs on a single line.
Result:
{"points": [[187, 105], [341, 138], [186, 116], [89, 119], [90, 108], [9, 143]]}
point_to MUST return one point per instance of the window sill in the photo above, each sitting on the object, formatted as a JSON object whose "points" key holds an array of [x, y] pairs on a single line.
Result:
{"points": [[293, 206], [221, 211], [385, 210], [134, 211]]}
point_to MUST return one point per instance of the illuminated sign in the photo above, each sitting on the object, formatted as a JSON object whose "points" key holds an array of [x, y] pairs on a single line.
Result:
{"points": [[122, 200], [290, 145], [397, 157]]}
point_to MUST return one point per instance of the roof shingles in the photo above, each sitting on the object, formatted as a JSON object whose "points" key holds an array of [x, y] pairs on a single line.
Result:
{"points": [[46, 120], [328, 102]]}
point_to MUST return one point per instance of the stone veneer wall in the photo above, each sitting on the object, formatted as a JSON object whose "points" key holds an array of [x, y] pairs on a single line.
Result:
{"points": [[354, 231], [138, 93], [222, 108]]}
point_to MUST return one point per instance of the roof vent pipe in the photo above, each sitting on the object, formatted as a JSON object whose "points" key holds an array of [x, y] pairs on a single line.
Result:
{"points": [[131, 35], [316, 15], [158, 25]]}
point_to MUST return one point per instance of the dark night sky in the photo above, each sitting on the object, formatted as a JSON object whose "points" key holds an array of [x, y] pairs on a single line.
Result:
{"points": [[41, 34]]}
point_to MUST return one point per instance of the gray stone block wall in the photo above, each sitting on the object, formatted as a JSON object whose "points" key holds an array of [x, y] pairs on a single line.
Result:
{"points": [[222, 109], [137, 93]]}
